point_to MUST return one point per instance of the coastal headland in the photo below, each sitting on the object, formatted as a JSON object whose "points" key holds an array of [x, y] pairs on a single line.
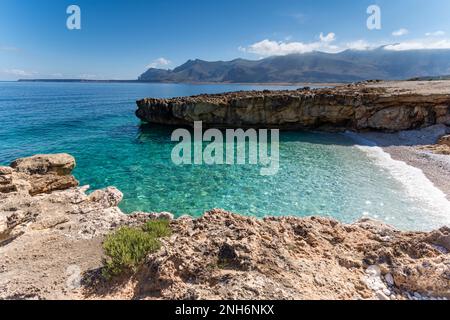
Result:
{"points": [[366, 106]]}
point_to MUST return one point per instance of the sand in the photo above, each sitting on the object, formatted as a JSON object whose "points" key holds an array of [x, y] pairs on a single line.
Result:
{"points": [[408, 146]]}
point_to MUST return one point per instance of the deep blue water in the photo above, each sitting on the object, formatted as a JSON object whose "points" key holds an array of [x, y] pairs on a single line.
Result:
{"points": [[320, 174]]}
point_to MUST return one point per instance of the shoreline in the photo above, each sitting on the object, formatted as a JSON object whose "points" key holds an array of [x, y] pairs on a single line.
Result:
{"points": [[406, 146], [281, 84]]}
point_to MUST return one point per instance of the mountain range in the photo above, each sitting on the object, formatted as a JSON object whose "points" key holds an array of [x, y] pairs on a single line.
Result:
{"points": [[320, 67]]}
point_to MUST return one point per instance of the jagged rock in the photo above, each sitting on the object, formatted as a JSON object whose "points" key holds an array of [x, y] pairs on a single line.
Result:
{"points": [[50, 182], [39, 174], [226, 256], [60, 164], [107, 198], [155, 216], [440, 238], [48, 225], [363, 106]]}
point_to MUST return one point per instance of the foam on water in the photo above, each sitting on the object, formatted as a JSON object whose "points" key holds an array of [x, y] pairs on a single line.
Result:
{"points": [[416, 184]]}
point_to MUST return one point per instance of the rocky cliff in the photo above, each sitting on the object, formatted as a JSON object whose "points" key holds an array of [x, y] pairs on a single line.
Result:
{"points": [[51, 233], [51, 229], [364, 106]]}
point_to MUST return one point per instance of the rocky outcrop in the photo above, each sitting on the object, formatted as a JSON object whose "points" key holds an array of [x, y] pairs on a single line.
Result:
{"points": [[362, 106], [38, 174], [39, 193], [50, 244], [50, 229], [227, 256]]}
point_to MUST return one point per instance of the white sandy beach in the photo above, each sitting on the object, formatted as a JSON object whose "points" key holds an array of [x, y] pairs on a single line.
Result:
{"points": [[407, 146]]}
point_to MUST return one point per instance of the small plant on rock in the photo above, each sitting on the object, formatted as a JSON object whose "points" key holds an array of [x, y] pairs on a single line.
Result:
{"points": [[158, 228], [126, 249]]}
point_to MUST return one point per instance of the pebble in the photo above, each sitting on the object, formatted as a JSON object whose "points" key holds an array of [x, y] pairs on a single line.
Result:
{"points": [[389, 279], [382, 296], [373, 271]]}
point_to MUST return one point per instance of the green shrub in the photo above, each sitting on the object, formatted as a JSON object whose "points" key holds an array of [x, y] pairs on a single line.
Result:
{"points": [[127, 248], [158, 228]]}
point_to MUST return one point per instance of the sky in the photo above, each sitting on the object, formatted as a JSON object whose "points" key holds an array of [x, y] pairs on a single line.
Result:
{"points": [[120, 39]]}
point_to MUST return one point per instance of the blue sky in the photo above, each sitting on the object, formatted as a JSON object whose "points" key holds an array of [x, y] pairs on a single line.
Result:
{"points": [[119, 39]]}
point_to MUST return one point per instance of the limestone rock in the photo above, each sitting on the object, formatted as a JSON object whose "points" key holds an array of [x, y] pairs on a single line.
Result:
{"points": [[362, 106], [60, 164], [50, 182], [107, 198], [226, 256], [38, 174], [48, 226], [440, 238]]}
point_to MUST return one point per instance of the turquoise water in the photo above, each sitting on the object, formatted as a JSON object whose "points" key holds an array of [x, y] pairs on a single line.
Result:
{"points": [[320, 174]]}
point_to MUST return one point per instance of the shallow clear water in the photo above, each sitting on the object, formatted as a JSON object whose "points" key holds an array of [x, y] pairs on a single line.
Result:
{"points": [[320, 174]]}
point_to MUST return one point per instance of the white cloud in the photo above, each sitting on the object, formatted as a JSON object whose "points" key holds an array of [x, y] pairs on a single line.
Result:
{"points": [[328, 38], [400, 32], [438, 33], [419, 45], [360, 45], [275, 48], [158, 63], [327, 44]]}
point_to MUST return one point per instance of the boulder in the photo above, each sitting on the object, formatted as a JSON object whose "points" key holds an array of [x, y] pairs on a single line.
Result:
{"points": [[50, 182], [59, 164], [107, 198], [38, 174], [440, 238]]}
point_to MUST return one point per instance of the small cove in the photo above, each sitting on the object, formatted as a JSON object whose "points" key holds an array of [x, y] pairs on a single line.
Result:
{"points": [[320, 173]]}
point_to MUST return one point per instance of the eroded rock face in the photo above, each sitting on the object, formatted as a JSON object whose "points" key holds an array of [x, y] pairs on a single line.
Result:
{"points": [[60, 164], [227, 256], [50, 228], [353, 107], [38, 174], [39, 193]]}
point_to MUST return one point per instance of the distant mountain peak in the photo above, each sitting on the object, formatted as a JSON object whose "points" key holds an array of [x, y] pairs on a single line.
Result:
{"points": [[346, 66]]}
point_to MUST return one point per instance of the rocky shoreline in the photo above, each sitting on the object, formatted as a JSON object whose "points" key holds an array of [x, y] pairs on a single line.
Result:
{"points": [[368, 106], [51, 233]]}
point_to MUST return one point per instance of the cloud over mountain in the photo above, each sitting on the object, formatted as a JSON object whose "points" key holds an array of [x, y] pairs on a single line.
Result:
{"points": [[390, 62]]}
